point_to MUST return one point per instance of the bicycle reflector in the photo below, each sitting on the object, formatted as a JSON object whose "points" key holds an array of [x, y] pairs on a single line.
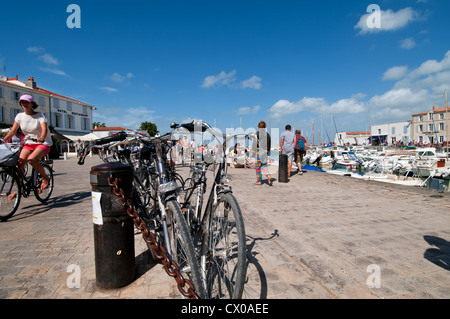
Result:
{"points": [[167, 187]]}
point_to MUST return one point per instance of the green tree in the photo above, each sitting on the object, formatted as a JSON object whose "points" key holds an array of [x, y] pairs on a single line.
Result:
{"points": [[98, 124], [150, 127]]}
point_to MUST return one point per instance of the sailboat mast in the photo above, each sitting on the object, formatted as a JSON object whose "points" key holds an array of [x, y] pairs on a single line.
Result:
{"points": [[314, 142], [446, 124]]}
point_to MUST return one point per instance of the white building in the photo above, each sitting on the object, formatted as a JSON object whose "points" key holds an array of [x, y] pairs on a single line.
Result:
{"points": [[68, 116], [351, 138], [431, 127], [391, 133]]}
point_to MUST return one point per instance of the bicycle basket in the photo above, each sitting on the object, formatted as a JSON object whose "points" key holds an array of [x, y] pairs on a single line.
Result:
{"points": [[8, 156]]}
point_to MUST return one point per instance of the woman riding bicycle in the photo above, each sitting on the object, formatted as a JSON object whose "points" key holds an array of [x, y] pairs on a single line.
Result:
{"points": [[33, 125]]}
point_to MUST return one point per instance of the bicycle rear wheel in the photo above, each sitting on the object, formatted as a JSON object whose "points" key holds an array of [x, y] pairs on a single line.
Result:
{"points": [[44, 194], [10, 194], [182, 248], [224, 255]]}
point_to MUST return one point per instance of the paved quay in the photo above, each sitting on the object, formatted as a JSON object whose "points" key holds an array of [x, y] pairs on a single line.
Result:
{"points": [[318, 236]]}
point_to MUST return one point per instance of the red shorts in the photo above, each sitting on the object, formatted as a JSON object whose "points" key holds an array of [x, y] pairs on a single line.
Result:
{"points": [[33, 147]]}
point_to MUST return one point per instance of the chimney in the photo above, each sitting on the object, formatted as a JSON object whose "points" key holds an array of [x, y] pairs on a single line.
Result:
{"points": [[31, 83]]}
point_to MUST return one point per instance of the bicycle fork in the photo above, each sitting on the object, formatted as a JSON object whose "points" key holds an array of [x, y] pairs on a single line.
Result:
{"points": [[162, 209]]}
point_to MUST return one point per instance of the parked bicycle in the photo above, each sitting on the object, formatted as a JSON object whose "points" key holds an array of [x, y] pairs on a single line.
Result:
{"points": [[154, 198], [14, 183], [217, 227]]}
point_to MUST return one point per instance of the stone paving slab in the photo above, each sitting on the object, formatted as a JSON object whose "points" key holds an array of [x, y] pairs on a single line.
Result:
{"points": [[311, 238]]}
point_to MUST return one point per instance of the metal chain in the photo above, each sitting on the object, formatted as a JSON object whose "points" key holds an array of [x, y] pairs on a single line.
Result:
{"points": [[185, 286]]}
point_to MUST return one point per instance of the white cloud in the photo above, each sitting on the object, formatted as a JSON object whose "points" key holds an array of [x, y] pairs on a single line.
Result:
{"points": [[432, 66], [316, 105], [408, 44], [132, 119], [395, 73], [248, 110], [254, 83], [109, 89], [416, 89], [35, 49], [54, 71], [47, 58], [220, 79], [398, 98], [116, 77], [229, 79], [390, 20], [349, 106]]}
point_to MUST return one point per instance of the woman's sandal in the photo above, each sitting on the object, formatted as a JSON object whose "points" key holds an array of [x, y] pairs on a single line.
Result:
{"points": [[257, 183], [270, 182], [12, 196], [44, 184]]}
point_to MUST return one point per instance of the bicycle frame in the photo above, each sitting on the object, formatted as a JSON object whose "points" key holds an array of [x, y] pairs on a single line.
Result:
{"points": [[217, 187], [166, 189], [27, 184]]}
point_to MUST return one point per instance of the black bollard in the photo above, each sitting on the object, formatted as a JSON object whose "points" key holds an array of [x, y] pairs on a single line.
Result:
{"points": [[283, 168], [113, 229]]}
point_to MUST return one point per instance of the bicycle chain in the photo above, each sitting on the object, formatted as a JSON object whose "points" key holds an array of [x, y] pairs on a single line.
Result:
{"points": [[160, 253]]}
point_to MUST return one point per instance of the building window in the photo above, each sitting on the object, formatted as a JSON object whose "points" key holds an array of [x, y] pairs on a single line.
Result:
{"points": [[441, 139], [393, 130], [421, 118], [69, 106], [69, 121], [58, 120], [15, 96], [405, 129], [379, 131], [430, 116], [430, 127], [56, 103], [420, 127], [41, 100], [85, 124], [441, 126], [442, 116], [1, 92]]}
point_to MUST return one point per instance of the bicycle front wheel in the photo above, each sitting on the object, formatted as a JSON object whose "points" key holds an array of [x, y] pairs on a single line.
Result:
{"points": [[43, 195], [181, 246], [10, 194], [224, 255]]}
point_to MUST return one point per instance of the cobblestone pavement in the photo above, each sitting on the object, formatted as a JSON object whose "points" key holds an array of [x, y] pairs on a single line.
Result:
{"points": [[317, 236]]}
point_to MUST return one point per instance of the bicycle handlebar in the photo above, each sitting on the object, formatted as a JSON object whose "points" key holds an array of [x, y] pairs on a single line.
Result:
{"points": [[120, 136]]}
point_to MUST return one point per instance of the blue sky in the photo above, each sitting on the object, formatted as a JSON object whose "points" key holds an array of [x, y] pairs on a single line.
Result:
{"points": [[233, 62]]}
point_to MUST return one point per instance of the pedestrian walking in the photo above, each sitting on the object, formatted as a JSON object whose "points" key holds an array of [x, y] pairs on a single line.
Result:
{"points": [[261, 147], [300, 150], [287, 146]]}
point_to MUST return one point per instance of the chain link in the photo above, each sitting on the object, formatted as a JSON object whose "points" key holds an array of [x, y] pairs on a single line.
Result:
{"points": [[185, 286]]}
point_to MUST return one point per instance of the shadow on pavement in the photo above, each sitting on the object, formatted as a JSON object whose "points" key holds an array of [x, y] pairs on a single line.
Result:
{"points": [[439, 256]]}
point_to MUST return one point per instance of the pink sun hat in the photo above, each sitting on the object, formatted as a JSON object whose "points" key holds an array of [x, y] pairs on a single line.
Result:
{"points": [[29, 98]]}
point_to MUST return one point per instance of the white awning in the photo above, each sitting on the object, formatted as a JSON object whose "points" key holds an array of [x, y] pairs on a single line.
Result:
{"points": [[86, 137]]}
